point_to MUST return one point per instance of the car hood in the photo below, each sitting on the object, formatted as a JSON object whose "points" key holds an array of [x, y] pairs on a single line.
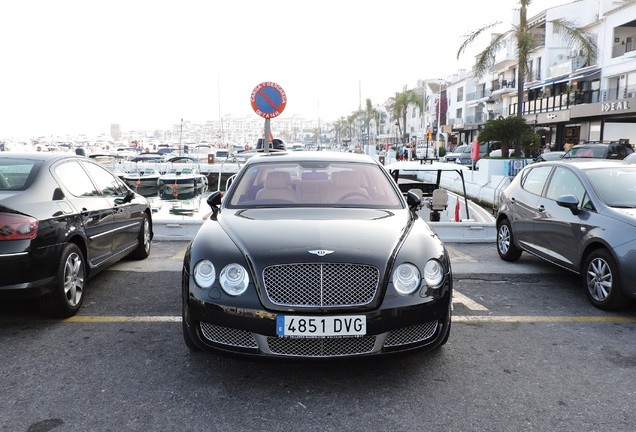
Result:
{"points": [[630, 212], [295, 232]]}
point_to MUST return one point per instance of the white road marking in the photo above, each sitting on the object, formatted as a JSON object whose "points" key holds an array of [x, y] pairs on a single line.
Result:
{"points": [[469, 303]]}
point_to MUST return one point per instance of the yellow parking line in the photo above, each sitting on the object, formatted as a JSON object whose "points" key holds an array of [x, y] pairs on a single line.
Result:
{"points": [[179, 255], [465, 319], [114, 319], [542, 319], [456, 255]]}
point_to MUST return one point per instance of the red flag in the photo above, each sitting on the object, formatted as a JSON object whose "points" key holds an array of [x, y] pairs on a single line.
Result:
{"points": [[457, 208]]}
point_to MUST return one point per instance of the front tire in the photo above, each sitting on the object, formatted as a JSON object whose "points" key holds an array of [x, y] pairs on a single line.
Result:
{"points": [[68, 294], [602, 282], [144, 240], [506, 247]]}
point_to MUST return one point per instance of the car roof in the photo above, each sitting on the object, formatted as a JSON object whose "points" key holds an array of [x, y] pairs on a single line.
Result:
{"points": [[324, 155], [42, 156], [586, 163], [602, 143]]}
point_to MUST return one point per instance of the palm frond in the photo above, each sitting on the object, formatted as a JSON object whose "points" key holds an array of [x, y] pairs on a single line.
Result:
{"points": [[576, 37], [472, 36], [486, 58]]}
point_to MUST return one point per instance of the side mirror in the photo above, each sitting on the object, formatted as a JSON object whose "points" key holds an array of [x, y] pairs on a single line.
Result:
{"points": [[214, 201], [126, 199], [570, 202], [413, 201]]}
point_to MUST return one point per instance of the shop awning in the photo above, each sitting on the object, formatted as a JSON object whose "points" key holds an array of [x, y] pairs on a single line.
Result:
{"points": [[567, 78], [588, 73]]}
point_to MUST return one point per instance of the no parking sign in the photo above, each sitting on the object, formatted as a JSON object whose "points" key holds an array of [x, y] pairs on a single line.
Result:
{"points": [[268, 100]]}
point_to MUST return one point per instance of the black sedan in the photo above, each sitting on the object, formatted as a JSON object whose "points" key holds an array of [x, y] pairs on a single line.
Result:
{"points": [[315, 255], [580, 215], [63, 218]]}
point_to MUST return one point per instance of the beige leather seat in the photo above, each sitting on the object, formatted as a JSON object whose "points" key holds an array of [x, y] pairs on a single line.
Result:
{"points": [[344, 183], [312, 187], [277, 187]]}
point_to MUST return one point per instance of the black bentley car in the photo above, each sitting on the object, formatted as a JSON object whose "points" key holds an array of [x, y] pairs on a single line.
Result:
{"points": [[315, 255], [63, 218]]}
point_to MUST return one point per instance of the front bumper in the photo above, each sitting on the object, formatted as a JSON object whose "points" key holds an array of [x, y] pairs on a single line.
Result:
{"points": [[252, 332]]}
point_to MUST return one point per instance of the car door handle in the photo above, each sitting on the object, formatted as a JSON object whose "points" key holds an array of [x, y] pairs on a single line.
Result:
{"points": [[513, 201], [541, 209]]}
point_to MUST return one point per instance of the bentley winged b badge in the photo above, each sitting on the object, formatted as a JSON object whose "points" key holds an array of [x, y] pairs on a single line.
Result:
{"points": [[320, 252]]}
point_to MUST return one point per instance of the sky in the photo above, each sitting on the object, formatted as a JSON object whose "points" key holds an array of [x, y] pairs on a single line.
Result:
{"points": [[76, 67]]}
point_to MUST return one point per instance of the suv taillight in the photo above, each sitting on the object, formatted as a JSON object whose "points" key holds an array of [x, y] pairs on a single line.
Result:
{"points": [[17, 227]]}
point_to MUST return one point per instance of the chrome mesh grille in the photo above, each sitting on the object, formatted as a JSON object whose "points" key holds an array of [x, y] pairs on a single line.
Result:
{"points": [[409, 335], [228, 336], [321, 284], [325, 347]]}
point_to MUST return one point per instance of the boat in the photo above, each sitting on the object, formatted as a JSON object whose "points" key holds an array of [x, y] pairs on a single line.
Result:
{"points": [[143, 178], [450, 214], [113, 162], [183, 174]]}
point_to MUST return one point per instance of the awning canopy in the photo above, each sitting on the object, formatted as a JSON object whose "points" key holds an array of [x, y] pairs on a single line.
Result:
{"points": [[566, 78]]}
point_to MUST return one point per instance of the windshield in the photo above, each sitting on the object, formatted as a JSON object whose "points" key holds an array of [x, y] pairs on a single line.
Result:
{"points": [[322, 184], [596, 152], [615, 186], [460, 149]]}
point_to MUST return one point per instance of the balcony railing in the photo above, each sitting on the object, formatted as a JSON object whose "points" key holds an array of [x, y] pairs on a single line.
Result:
{"points": [[566, 100]]}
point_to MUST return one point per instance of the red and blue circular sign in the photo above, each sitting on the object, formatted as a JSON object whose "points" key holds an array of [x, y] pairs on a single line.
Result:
{"points": [[268, 99]]}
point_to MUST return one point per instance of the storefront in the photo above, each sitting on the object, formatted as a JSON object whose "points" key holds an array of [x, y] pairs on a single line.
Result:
{"points": [[607, 121]]}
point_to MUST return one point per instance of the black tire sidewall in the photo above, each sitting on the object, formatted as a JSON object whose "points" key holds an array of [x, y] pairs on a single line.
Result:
{"points": [[140, 252], [513, 252], [615, 300], [55, 304]]}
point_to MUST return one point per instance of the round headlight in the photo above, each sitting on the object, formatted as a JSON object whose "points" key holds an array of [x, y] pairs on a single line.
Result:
{"points": [[204, 274], [234, 279], [406, 278], [433, 273]]}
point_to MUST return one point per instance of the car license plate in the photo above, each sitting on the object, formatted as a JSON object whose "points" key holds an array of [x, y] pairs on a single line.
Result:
{"points": [[321, 326]]}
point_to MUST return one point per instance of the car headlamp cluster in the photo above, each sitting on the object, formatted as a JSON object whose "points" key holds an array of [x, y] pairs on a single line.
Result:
{"points": [[406, 276], [433, 273], [233, 278]]}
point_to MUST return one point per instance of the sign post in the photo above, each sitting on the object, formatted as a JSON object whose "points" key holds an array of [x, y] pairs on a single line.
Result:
{"points": [[268, 100]]}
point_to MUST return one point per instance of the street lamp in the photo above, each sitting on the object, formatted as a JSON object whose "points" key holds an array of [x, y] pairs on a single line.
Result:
{"points": [[490, 105]]}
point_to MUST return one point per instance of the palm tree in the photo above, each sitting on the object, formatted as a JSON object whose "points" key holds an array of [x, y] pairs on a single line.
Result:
{"points": [[351, 119], [369, 114], [526, 43], [508, 130], [340, 128], [400, 105]]}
